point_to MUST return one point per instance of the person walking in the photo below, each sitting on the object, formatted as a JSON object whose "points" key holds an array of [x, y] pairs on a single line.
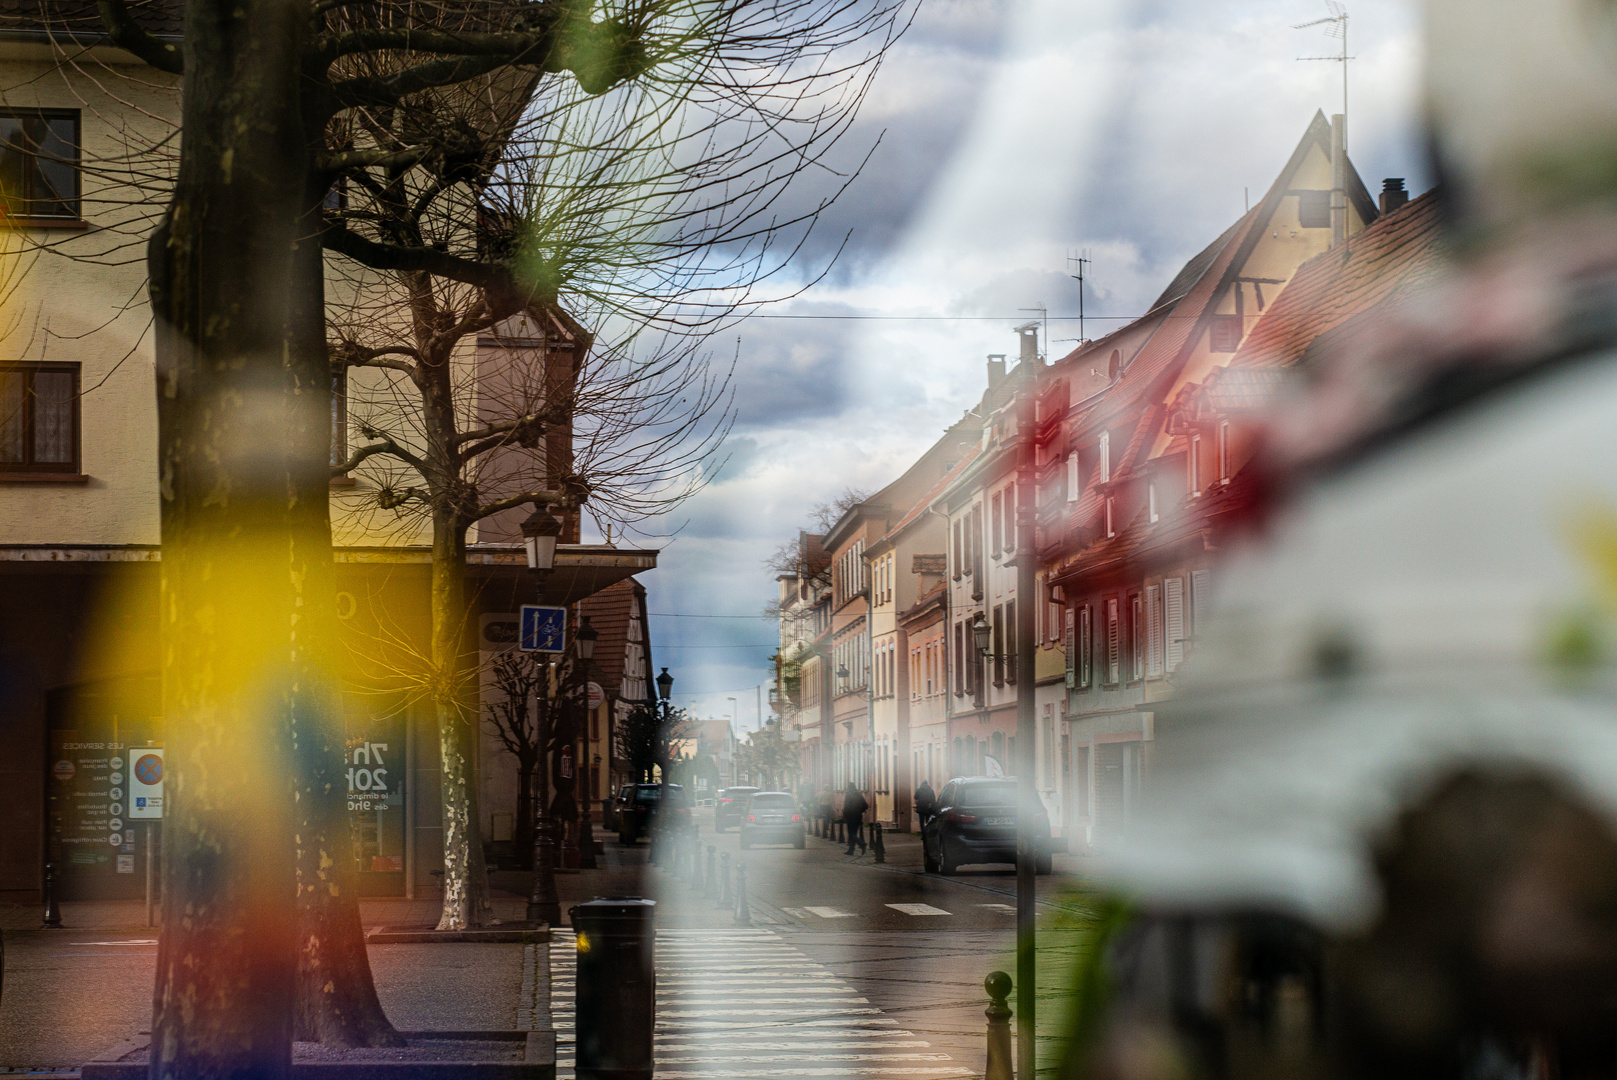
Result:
{"points": [[926, 803], [824, 812], [853, 817]]}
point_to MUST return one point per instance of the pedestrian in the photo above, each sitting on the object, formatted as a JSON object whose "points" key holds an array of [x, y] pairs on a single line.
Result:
{"points": [[853, 817], [824, 812], [926, 803]]}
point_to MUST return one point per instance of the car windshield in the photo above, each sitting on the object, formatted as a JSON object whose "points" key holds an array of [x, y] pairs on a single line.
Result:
{"points": [[1001, 794], [773, 801], [650, 793], [736, 792]]}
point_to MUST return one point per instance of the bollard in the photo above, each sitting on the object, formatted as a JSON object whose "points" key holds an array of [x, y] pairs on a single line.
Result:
{"points": [[998, 985], [712, 883], [53, 913], [586, 840], [743, 916], [615, 991], [697, 884], [724, 880], [876, 846]]}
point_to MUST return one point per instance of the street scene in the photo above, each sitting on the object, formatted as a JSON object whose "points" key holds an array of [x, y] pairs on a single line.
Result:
{"points": [[808, 539]]}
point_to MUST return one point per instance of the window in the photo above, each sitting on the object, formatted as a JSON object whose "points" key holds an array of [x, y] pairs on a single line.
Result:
{"points": [[1225, 333], [1086, 647], [959, 553], [1104, 468], [998, 646], [959, 660], [1314, 209], [1071, 649], [39, 418], [1010, 520], [39, 163], [1195, 465], [1072, 477], [1110, 530], [1199, 581], [998, 531], [1153, 630], [1224, 450], [1151, 500]]}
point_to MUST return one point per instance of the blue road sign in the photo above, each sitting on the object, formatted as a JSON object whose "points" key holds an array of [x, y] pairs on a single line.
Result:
{"points": [[544, 629]]}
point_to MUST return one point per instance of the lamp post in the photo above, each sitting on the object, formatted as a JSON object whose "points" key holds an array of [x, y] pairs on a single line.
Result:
{"points": [[586, 834], [540, 532]]}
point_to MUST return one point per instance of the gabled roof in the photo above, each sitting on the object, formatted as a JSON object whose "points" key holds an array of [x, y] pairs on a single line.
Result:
{"points": [[610, 612], [932, 496], [78, 20], [1391, 258]]}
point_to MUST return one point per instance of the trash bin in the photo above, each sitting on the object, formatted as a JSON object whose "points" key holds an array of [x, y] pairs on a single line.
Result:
{"points": [[616, 988]]}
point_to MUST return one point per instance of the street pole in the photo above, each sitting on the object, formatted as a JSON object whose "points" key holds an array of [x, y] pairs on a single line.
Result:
{"points": [[543, 907], [1026, 840]]}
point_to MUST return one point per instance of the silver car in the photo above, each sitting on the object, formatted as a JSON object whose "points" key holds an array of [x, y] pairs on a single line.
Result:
{"points": [[771, 817]]}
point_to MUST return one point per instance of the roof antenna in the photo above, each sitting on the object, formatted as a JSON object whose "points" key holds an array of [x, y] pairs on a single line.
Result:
{"points": [[1336, 26], [1081, 260]]}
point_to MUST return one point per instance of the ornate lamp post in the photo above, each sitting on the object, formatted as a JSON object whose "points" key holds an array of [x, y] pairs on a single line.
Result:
{"points": [[540, 532]]}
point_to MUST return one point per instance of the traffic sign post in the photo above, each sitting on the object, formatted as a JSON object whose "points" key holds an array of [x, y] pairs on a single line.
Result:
{"points": [[146, 803], [544, 629]]}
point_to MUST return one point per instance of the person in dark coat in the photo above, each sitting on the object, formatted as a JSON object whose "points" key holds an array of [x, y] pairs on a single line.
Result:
{"points": [[824, 811], [853, 817], [926, 803]]}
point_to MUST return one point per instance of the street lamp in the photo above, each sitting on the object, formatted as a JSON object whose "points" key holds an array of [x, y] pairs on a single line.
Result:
{"points": [[540, 532], [979, 634], [665, 687]]}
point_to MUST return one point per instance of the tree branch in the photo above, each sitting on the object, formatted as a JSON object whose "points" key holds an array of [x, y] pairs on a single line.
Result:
{"points": [[386, 446], [333, 161], [130, 37], [503, 427], [507, 45], [511, 502], [388, 89], [504, 291]]}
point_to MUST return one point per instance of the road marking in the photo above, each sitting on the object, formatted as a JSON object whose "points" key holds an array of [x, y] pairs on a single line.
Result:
{"points": [[830, 912], [919, 909], [999, 907], [137, 941], [746, 1004]]}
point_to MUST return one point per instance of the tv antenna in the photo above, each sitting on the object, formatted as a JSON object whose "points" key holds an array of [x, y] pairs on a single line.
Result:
{"points": [[1336, 26], [1080, 260]]}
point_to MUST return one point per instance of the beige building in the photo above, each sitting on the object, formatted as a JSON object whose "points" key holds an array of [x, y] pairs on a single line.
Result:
{"points": [[80, 126]]}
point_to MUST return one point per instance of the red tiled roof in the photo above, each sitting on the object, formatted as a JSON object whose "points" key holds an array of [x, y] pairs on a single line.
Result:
{"points": [[938, 489], [1390, 259], [609, 613]]}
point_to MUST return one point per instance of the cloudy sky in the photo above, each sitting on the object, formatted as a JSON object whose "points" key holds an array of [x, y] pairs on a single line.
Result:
{"points": [[1013, 133]]}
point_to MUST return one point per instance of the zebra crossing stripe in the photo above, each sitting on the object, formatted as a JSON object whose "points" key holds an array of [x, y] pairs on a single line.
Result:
{"points": [[746, 1004], [830, 912], [919, 909]]}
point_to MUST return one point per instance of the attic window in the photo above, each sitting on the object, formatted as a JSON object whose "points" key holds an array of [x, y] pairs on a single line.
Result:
{"points": [[1314, 209], [1225, 335]]}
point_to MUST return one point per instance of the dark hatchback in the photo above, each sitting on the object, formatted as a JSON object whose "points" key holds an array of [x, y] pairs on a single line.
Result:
{"points": [[642, 807], [976, 823], [727, 809]]}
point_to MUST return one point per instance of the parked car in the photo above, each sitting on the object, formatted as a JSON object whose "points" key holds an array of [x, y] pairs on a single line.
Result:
{"points": [[642, 807], [771, 817], [727, 811], [976, 823]]}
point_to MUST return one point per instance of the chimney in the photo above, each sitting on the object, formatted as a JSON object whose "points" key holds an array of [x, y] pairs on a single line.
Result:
{"points": [[996, 369], [1339, 208], [1393, 194], [1029, 335]]}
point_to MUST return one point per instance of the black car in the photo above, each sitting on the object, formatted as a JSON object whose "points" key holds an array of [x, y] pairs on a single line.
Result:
{"points": [[642, 807], [772, 817], [976, 823], [728, 808]]}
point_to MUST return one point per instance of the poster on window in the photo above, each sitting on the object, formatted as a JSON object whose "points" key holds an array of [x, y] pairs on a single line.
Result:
{"points": [[375, 771]]}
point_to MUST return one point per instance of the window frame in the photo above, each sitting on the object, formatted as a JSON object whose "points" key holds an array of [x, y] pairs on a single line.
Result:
{"points": [[77, 165], [53, 469]]}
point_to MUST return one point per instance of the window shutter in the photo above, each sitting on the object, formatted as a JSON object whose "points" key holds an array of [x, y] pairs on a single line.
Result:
{"points": [[1010, 641], [1072, 652], [1173, 591], [1199, 583], [1153, 630], [1072, 476], [1086, 648], [1113, 643]]}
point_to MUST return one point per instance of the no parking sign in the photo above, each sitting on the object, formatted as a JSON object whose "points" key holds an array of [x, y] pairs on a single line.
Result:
{"points": [[146, 782]]}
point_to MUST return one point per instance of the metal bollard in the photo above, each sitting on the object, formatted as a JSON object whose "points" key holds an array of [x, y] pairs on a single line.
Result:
{"points": [[53, 913], [697, 885], [876, 845], [998, 985], [743, 916], [615, 991], [711, 886], [725, 899]]}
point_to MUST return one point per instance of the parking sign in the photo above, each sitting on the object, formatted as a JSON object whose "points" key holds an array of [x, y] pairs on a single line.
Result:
{"points": [[146, 783], [544, 629]]}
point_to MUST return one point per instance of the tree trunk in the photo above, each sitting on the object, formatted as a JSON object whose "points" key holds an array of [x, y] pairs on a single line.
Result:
{"points": [[242, 426], [466, 902]]}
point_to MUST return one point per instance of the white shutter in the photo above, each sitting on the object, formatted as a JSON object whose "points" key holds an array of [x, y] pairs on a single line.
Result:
{"points": [[1072, 476], [1112, 641], [1173, 590], [1200, 582], [1072, 652], [1153, 630]]}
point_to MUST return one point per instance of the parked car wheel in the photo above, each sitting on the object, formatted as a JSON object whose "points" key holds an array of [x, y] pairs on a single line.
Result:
{"points": [[928, 863], [946, 866]]}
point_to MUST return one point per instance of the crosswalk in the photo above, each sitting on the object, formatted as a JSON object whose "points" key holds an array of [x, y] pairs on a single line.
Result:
{"points": [[744, 1004], [812, 913]]}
